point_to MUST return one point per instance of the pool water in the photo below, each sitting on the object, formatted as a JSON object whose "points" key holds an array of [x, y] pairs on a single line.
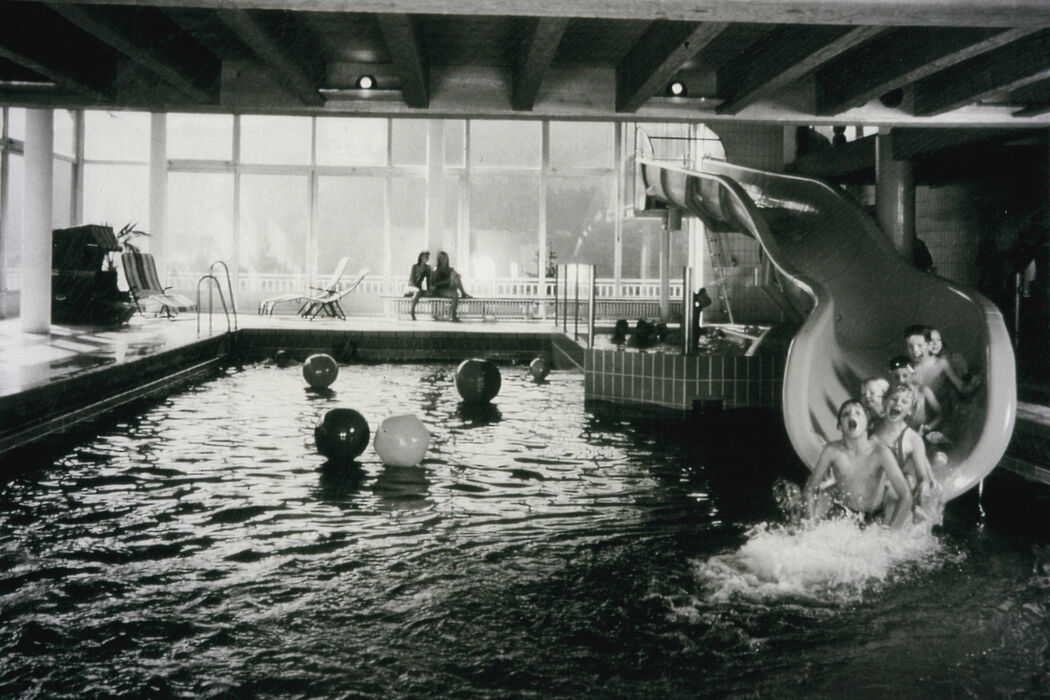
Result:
{"points": [[544, 548]]}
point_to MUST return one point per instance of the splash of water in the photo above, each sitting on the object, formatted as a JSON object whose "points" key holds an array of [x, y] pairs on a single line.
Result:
{"points": [[833, 561]]}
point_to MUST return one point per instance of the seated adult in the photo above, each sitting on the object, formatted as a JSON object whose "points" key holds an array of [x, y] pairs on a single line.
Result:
{"points": [[444, 281], [868, 479], [419, 277]]}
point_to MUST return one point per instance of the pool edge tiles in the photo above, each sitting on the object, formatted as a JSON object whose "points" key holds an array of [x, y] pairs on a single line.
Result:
{"points": [[676, 381]]}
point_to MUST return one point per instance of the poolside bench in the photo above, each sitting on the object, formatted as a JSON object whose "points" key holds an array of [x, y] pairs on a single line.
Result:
{"points": [[474, 307]]}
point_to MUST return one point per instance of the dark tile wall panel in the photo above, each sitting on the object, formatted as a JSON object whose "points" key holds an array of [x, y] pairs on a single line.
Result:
{"points": [[676, 381]]}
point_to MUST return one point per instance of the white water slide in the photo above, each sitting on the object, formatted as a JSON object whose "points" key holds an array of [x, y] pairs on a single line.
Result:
{"points": [[857, 295]]}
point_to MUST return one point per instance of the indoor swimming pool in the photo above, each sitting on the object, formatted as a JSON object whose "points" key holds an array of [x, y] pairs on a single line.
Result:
{"points": [[544, 548]]}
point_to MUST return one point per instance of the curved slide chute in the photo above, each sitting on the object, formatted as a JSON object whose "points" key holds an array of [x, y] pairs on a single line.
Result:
{"points": [[857, 295]]}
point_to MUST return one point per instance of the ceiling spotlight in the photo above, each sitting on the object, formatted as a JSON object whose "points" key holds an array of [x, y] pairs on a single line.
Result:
{"points": [[366, 82], [676, 89]]}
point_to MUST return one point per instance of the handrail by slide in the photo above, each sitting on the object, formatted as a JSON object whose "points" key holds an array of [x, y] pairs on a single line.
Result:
{"points": [[857, 295]]}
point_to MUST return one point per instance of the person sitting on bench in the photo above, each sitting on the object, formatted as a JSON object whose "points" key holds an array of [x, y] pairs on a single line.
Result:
{"points": [[442, 281]]}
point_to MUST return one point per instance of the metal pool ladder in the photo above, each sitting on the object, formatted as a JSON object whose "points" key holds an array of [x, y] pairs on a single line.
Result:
{"points": [[222, 298]]}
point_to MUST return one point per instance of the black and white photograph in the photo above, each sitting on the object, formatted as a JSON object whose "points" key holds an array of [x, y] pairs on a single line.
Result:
{"points": [[524, 349]]}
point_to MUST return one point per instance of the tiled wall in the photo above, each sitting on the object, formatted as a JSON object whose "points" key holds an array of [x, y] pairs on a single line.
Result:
{"points": [[394, 346], [675, 381], [946, 219]]}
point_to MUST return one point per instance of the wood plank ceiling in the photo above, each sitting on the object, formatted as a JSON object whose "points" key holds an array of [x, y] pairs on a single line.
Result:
{"points": [[829, 61]]}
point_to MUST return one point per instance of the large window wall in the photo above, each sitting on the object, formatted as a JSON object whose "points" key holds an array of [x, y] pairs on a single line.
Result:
{"points": [[66, 174], [281, 198]]}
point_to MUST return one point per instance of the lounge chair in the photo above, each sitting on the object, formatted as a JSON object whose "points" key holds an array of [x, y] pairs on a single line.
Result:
{"points": [[329, 301], [330, 287], [140, 272]]}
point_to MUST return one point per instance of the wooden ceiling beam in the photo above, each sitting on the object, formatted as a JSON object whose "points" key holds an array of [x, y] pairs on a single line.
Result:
{"points": [[144, 56], [912, 143], [917, 13], [899, 58], [1004, 69], [784, 56], [286, 70], [32, 37], [535, 58], [59, 74], [405, 46], [658, 55]]}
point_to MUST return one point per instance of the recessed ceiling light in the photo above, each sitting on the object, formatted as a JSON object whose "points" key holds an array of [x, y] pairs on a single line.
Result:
{"points": [[366, 82]]}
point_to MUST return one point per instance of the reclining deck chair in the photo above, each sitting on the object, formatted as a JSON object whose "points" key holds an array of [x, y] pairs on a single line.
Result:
{"points": [[266, 306], [329, 301], [140, 271]]}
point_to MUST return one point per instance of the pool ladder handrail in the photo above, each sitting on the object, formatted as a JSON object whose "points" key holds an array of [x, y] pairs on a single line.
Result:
{"points": [[229, 287], [222, 298]]}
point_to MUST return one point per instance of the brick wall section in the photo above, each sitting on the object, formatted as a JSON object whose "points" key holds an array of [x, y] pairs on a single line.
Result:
{"points": [[676, 381]]}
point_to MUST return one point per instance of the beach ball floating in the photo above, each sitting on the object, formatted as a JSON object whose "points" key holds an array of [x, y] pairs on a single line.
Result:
{"points": [[477, 381], [281, 358], [401, 441], [539, 368], [342, 434], [320, 370]]}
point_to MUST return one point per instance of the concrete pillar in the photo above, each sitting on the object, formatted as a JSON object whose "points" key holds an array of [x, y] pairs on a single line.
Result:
{"points": [[36, 222], [895, 196], [435, 215], [158, 189], [672, 222]]}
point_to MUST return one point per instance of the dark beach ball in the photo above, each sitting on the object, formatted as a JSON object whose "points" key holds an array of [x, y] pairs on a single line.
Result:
{"points": [[281, 358], [342, 434], [320, 370], [477, 381], [539, 368]]}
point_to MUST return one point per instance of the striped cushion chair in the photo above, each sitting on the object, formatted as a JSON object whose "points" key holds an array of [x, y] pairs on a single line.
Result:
{"points": [[140, 271]]}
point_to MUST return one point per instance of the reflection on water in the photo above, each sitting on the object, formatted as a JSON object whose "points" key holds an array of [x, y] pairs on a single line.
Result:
{"points": [[202, 547]]}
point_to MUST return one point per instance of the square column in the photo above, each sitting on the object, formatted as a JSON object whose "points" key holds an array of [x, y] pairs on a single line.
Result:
{"points": [[895, 196], [36, 222]]}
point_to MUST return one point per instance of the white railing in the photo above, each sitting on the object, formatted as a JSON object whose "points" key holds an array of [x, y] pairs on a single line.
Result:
{"points": [[495, 287]]}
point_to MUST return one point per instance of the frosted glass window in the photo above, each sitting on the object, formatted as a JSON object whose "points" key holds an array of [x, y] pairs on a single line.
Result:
{"points": [[451, 207], [505, 144], [641, 250], [271, 140], [116, 136], [408, 235], [580, 222], [275, 218], [16, 123], [504, 225], [13, 217], [200, 136], [350, 221], [62, 194], [200, 222], [351, 141], [116, 195], [581, 144], [65, 133], [408, 142], [455, 142]]}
